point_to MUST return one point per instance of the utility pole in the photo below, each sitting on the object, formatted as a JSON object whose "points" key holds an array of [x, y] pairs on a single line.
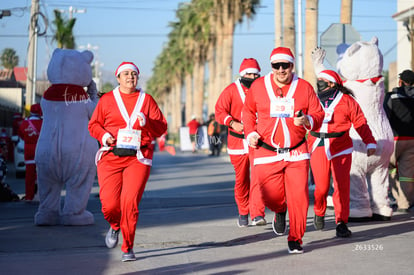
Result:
{"points": [[32, 53], [299, 63]]}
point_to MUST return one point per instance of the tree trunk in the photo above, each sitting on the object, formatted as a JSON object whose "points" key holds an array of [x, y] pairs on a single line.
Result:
{"points": [[311, 39], [188, 97], [228, 21], [346, 11], [289, 36], [278, 24], [198, 89], [177, 107], [213, 92]]}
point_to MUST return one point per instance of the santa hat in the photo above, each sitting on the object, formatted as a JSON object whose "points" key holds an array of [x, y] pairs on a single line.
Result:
{"points": [[249, 66], [282, 53], [331, 76], [17, 115], [35, 109], [126, 66]]}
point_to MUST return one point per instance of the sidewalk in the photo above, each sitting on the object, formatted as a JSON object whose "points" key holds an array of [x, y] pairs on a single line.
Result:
{"points": [[188, 225]]}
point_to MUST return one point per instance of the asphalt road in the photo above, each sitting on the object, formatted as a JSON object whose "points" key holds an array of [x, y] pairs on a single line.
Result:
{"points": [[187, 225]]}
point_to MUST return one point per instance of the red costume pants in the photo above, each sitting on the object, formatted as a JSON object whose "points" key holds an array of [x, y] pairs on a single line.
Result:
{"points": [[122, 182], [284, 187], [30, 178], [322, 168], [247, 192], [30, 181]]}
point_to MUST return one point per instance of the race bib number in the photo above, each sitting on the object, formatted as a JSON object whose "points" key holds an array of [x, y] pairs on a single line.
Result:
{"points": [[129, 139], [282, 107], [328, 115]]}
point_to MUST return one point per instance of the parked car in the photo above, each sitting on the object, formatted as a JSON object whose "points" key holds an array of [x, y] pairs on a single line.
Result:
{"points": [[19, 165]]}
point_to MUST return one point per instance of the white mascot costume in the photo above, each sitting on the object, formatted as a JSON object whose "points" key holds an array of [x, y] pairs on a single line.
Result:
{"points": [[65, 151], [361, 66]]}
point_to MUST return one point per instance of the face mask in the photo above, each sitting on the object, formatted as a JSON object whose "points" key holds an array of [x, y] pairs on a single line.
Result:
{"points": [[247, 82], [322, 85]]}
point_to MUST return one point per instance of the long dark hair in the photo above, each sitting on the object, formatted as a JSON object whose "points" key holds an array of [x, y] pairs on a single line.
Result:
{"points": [[344, 89]]}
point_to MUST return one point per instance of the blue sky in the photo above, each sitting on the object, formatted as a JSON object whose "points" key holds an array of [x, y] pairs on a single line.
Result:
{"points": [[136, 30]]}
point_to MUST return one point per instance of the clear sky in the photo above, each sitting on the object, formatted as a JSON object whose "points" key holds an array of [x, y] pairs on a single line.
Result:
{"points": [[136, 30]]}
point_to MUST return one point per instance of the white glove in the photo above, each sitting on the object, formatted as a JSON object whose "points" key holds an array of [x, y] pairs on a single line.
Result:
{"points": [[318, 56]]}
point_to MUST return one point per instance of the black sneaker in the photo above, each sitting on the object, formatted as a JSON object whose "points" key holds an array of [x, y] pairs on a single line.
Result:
{"points": [[279, 223], [111, 239], [319, 222], [294, 247], [243, 221], [342, 231], [259, 220], [128, 256]]}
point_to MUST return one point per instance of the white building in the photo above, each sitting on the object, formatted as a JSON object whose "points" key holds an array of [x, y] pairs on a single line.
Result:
{"points": [[405, 37]]}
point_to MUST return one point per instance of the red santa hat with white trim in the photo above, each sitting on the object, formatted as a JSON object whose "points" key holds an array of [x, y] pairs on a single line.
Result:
{"points": [[35, 109], [249, 66], [281, 53], [125, 66], [330, 75]]}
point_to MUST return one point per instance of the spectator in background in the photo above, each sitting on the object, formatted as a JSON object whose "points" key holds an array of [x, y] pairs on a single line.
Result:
{"points": [[213, 132], [17, 120], [399, 107], [29, 131], [193, 125]]}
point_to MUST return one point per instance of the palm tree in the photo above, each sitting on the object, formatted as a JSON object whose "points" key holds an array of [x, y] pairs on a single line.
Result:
{"points": [[228, 13], [64, 31], [9, 59], [203, 35]]}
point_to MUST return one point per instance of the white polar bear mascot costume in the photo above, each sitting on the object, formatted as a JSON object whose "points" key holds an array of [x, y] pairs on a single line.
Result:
{"points": [[361, 66], [65, 151]]}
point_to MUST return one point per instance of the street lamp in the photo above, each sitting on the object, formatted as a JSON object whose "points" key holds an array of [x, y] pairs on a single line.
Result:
{"points": [[71, 10]]}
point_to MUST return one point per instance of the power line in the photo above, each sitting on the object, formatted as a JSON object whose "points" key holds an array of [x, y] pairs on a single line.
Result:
{"points": [[117, 35]]}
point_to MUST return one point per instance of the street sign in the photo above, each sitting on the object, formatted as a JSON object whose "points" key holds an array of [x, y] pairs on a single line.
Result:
{"points": [[338, 36]]}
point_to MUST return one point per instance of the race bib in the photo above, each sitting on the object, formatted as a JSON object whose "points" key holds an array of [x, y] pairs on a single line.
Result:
{"points": [[282, 107], [129, 139], [328, 115]]}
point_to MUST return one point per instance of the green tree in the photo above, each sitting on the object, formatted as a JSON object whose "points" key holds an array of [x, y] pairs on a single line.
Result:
{"points": [[9, 59], [64, 31], [202, 35], [106, 87]]}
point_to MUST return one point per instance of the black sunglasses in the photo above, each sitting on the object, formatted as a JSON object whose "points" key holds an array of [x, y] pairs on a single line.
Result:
{"points": [[277, 65]]}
